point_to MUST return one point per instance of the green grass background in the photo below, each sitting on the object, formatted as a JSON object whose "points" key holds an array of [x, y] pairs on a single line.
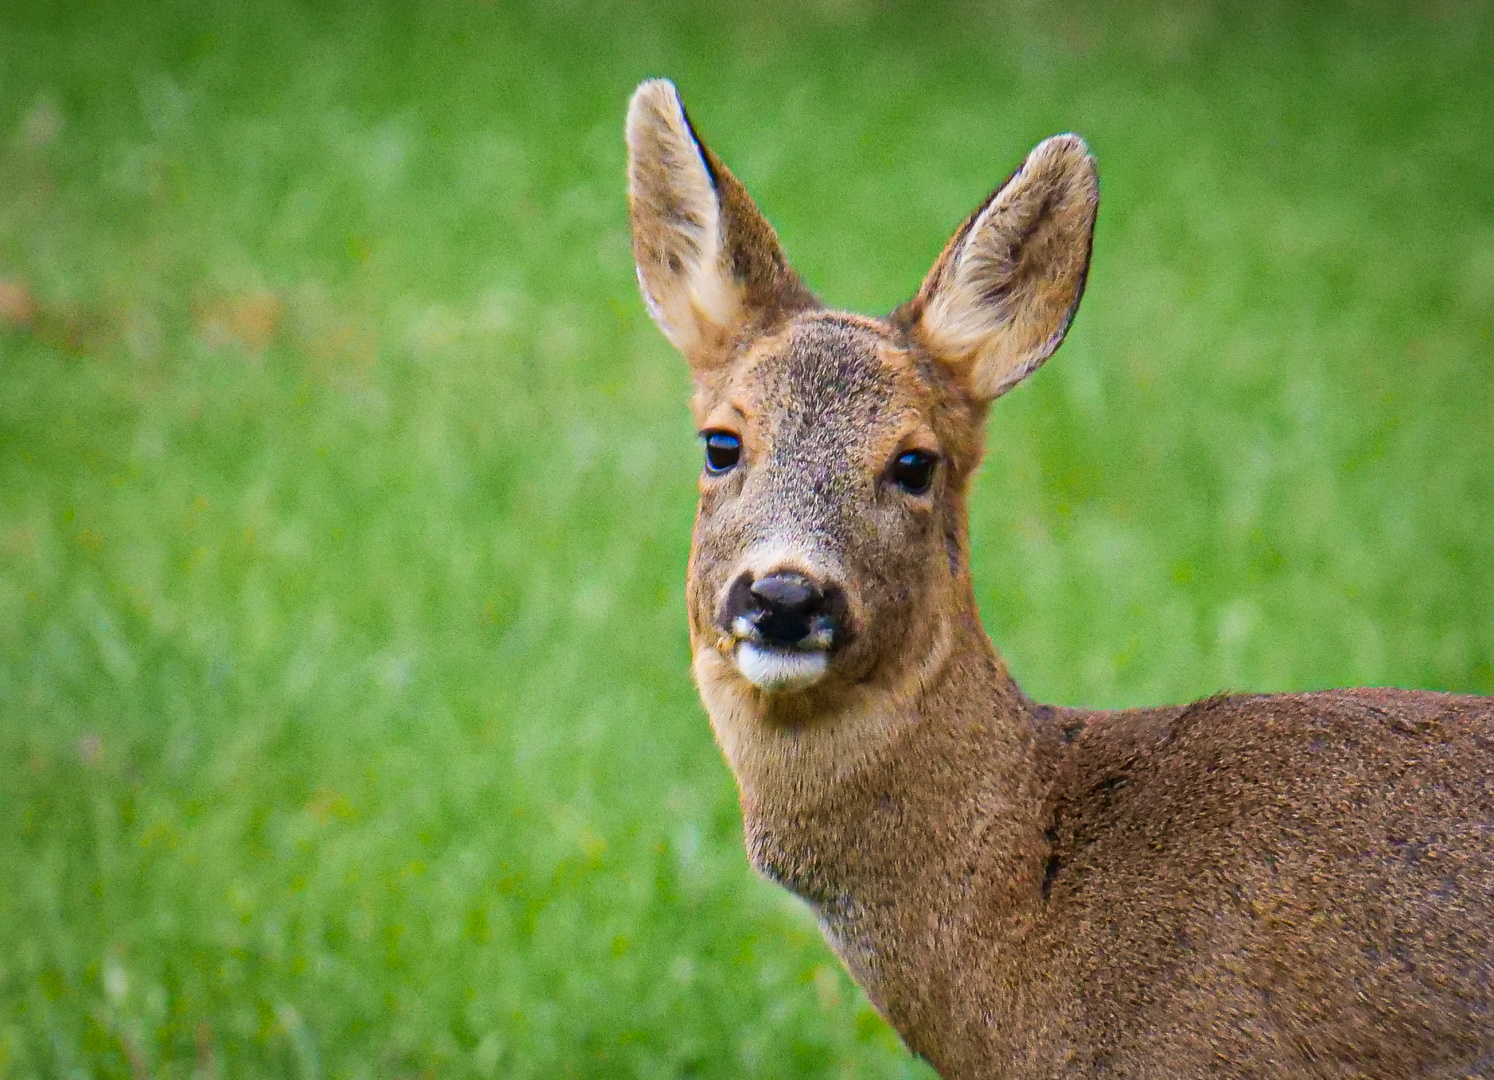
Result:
{"points": [[345, 488]]}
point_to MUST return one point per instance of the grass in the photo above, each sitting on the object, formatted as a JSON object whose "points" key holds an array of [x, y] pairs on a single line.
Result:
{"points": [[345, 488]]}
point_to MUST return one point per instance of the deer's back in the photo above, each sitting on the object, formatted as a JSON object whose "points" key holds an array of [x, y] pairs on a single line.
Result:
{"points": [[1278, 885]]}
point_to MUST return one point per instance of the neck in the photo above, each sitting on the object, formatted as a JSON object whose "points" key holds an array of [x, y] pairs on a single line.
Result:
{"points": [[884, 805]]}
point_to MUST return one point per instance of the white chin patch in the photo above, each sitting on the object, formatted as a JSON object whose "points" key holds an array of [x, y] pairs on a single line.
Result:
{"points": [[780, 669]]}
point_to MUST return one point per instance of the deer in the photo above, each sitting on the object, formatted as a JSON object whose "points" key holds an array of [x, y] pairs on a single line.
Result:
{"points": [[1282, 885]]}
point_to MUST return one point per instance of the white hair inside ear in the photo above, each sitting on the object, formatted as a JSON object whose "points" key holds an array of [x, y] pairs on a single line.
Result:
{"points": [[1000, 298]]}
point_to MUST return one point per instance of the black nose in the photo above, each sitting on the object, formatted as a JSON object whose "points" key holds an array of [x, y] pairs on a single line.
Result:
{"points": [[785, 609], [788, 593], [787, 606]]}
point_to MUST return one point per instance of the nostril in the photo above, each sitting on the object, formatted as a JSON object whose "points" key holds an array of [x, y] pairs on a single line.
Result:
{"points": [[788, 593], [739, 600]]}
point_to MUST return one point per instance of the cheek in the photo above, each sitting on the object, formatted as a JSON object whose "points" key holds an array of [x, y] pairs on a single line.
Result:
{"points": [[715, 548], [894, 559]]}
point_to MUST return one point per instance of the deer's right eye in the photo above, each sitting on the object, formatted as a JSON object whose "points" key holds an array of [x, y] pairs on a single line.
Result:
{"points": [[723, 450]]}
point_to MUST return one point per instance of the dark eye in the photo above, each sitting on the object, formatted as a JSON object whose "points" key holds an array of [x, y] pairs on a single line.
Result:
{"points": [[914, 471], [722, 451]]}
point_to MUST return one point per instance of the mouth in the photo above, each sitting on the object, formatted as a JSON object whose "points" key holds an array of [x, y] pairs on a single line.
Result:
{"points": [[773, 669], [776, 667]]}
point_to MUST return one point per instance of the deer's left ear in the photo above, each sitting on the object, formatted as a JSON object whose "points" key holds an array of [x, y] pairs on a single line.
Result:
{"points": [[709, 265], [1001, 296]]}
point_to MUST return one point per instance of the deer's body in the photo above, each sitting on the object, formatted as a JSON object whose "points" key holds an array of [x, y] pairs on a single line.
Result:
{"points": [[1268, 886], [1285, 886]]}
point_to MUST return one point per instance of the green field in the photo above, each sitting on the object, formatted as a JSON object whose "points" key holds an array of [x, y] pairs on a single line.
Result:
{"points": [[345, 487]]}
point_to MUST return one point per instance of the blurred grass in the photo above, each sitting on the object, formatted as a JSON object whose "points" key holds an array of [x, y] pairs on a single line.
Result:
{"points": [[345, 488]]}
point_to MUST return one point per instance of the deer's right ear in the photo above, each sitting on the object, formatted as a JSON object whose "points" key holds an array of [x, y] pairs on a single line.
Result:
{"points": [[709, 265]]}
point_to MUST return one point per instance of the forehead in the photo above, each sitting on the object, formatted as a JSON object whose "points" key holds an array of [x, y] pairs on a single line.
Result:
{"points": [[830, 371]]}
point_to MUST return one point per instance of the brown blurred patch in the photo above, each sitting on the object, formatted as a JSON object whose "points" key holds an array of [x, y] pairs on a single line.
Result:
{"points": [[17, 305], [71, 327], [249, 320], [338, 349], [345, 349], [75, 328], [207, 1057]]}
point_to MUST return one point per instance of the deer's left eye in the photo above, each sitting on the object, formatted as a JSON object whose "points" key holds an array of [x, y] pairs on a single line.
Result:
{"points": [[914, 471]]}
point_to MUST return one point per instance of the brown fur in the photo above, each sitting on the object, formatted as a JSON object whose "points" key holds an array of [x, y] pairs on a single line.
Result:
{"points": [[1271, 886]]}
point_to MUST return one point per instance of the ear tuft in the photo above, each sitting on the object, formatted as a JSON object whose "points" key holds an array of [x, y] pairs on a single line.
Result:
{"points": [[709, 265], [1000, 298]]}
